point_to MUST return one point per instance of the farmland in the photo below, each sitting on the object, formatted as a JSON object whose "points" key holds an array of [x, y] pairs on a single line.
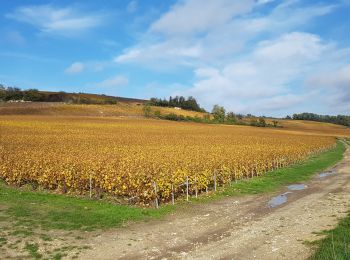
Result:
{"points": [[129, 109], [142, 159], [48, 150]]}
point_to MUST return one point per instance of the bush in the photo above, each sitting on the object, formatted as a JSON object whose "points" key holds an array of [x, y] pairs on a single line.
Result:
{"points": [[146, 110], [13, 93], [32, 95], [262, 122], [157, 113], [172, 117], [111, 101], [218, 113]]}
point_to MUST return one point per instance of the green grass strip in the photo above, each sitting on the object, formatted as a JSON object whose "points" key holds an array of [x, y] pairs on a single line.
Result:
{"points": [[272, 181], [52, 211], [336, 245]]}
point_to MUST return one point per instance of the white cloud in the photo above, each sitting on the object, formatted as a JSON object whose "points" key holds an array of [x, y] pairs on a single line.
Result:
{"points": [[331, 79], [193, 34], [335, 85], [292, 47], [243, 57], [259, 82], [66, 21], [262, 2], [193, 16], [75, 68], [113, 82], [162, 55], [132, 6], [179, 26], [278, 103]]}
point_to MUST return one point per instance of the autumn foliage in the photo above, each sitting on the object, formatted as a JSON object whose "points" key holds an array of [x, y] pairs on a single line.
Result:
{"points": [[126, 157]]}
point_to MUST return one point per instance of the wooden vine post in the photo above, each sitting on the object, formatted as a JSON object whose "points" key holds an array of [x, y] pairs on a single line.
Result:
{"points": [[90, 185], [156, 194], [215, 180], [187, 187], [172, 194]]}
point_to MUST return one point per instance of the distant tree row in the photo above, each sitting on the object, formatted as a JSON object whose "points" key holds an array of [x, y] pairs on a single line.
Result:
{"points": [[189, 103], [13, 93], [218, 115], [339, 119], [34, 95]]}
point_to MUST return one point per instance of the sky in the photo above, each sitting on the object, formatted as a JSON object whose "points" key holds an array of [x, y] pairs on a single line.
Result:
{"points": [[264, 57]]}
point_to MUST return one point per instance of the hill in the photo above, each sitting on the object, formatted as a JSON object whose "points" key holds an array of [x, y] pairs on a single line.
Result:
{"points": [[126, 108], [13, 94], [131, 109], [314, 128]]}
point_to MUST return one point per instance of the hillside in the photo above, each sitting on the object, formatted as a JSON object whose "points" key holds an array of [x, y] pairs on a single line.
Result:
{"points": [[13, 94], [311, 127], [130, 108], [87, 98], [127, 108]]}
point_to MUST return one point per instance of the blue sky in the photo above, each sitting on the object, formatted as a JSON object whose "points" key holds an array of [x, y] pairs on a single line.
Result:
{"points": [[266, 57]]}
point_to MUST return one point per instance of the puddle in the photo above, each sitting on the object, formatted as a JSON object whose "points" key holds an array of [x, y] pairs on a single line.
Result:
{"points": [[278, 200], [325, 174], [297, 187]]}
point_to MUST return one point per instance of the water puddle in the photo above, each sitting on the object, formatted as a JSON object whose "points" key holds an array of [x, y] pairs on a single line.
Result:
{"points": [[297, 187], [325, 174], [278, 200]]}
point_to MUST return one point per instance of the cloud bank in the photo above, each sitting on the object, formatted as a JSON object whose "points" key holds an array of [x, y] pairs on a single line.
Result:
{"points": [[246, 59]]}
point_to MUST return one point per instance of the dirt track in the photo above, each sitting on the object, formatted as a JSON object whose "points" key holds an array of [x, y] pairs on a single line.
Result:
{"points": [[236, 228]]}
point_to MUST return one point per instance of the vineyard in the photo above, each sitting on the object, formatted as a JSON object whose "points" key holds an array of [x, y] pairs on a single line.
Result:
{"points": [[142, 160]]}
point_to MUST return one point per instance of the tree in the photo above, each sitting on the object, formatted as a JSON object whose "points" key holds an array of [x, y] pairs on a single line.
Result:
{"points": [[275, 123], [218, 113], [2, 92], [146, 110], [231, 117], [240, 116], [254, 122], [32, 95], [262, 122], [339, 119], [179, 101], [13, 93], [206, 118]]}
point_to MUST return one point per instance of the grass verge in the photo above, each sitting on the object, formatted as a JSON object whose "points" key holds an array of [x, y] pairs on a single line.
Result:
{"points": [[51, 211], [336, 245], [272, 181]]}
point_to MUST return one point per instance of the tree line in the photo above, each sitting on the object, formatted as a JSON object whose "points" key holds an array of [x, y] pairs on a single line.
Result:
{"points": [[34, 95], [339, 119], [13, 93], [218, 115], [189, 103]]}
